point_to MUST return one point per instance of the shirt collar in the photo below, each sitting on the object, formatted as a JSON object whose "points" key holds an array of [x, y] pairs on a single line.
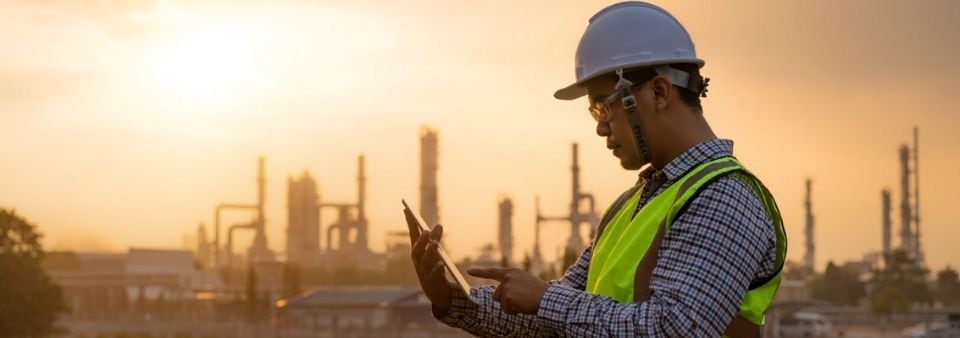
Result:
{"points": [[702, 152]]}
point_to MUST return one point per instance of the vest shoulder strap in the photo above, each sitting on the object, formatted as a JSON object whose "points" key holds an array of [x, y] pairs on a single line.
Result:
{"points": [[615, 208]]}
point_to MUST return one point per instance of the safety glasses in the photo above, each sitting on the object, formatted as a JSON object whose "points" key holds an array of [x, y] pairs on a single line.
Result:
{"points": [[600, 108]]}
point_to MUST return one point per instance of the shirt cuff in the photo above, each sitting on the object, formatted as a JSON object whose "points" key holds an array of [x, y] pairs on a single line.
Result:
{"points": [[461, 310], [553, 306]]}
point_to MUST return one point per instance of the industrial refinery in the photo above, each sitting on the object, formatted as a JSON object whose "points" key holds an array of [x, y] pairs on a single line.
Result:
{"points": [[328, 264]]}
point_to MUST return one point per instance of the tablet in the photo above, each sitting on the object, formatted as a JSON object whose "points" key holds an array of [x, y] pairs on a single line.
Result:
{"points": [[416, 225]]}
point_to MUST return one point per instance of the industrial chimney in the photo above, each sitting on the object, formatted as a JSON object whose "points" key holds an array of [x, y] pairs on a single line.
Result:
{"points": [[906, 216], [506, 230], [429, 209], [808, 257], [887, 224]]}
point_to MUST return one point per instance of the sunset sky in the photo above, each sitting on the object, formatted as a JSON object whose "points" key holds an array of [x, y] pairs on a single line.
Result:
{"points": [[124, 123]]}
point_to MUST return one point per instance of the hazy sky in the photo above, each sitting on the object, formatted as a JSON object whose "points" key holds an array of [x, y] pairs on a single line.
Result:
{"points": [[125, 123]]}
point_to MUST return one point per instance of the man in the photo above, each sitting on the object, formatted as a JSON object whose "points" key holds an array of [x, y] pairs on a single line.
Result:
{"points": [[694, 249]]}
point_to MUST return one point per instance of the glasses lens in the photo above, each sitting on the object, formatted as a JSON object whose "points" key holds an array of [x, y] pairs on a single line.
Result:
{"points": [[600, 107], [598, 112]]}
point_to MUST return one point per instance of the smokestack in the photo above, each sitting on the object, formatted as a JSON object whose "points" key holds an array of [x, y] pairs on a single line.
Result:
{"points": [[259, 249], [361, 201], [916, 195], [808, 257], [506, 230], [303, 220], [536, 259], [203, 247], [887, 224], [575, 243], [906, 216], [261, 191], [429, 208]]}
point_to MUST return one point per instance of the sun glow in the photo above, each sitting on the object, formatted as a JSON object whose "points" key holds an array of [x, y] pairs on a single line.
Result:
{"points": [[212, 66]]}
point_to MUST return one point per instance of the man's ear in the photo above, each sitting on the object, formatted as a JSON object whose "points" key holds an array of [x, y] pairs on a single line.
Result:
{"points": [[662, 90]]}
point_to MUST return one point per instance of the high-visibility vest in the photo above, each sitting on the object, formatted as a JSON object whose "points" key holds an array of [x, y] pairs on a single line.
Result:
{"points": [[625, 240]]}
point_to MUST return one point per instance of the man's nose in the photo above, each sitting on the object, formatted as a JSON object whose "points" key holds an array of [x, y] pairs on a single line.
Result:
{"points": [[603, 128]]}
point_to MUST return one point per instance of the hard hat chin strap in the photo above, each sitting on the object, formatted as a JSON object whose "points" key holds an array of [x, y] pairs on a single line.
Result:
{"points": [[630, 106]]}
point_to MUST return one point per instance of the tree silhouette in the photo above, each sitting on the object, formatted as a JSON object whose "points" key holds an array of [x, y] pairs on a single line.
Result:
{"points": [[902, 273], [838, 286], [29, 300], [948, 287]]}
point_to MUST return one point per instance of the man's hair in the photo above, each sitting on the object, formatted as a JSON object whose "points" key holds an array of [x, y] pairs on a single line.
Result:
{"points": [[689, 97]]}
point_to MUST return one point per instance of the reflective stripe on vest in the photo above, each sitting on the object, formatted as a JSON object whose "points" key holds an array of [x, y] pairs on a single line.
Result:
{"points": [[625, 240]]}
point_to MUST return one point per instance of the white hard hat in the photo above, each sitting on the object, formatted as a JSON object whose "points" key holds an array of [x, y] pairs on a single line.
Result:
{"points": [[631, 35]]}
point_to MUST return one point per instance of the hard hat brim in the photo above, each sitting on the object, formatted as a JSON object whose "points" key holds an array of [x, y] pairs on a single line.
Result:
{"points": [[571, 92]]}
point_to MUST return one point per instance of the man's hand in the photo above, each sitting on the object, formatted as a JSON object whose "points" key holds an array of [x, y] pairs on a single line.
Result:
{"points": [[518, 292], [430, 270]]}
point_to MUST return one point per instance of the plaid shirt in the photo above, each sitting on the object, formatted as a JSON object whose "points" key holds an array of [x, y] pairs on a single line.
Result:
{"points": [[722, 242]]}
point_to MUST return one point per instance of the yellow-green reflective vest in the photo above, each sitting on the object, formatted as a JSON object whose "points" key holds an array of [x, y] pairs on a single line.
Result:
{"points": [[626, 239]]}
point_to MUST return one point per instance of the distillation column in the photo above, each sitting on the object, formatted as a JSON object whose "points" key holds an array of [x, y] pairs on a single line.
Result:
{"points": [[887, 223], [429, 207], [808, 257], [906, 216], [506, 231]]}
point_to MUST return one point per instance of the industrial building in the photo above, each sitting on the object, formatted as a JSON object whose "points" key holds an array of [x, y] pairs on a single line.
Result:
{"points": [[581, 212]]}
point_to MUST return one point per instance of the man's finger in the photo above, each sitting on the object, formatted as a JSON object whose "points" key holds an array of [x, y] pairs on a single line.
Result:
{"points": [[438, 271], [437, 233], [497, 274], [498, 292], [419, 247], [431, 256]]}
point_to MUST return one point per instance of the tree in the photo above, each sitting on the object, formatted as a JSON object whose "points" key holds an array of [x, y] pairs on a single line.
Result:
{"points": [[527, 262], [30, 300], [838, 286], [948, 287], [793, 270], [902, 273], [569, 259], [887, 301]]}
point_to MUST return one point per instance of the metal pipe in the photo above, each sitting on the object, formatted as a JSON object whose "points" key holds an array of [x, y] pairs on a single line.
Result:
{"points": [[230, 237], [216, 227], [336, 205]]}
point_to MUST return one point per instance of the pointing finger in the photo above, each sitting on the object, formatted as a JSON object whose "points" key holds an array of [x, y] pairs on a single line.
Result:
{"points": [[497, 274]]}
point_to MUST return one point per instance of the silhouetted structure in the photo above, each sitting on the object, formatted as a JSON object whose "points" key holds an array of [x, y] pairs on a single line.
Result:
{"points": [[887, 223], [506, 230], [429, 207], [576, 217], [347, 238], [303, 221], [808, 256], [910, 210], [258, 250], [204, 254]]}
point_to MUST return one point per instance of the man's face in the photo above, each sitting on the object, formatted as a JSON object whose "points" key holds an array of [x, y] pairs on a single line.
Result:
{"points": [[618, 133]]}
